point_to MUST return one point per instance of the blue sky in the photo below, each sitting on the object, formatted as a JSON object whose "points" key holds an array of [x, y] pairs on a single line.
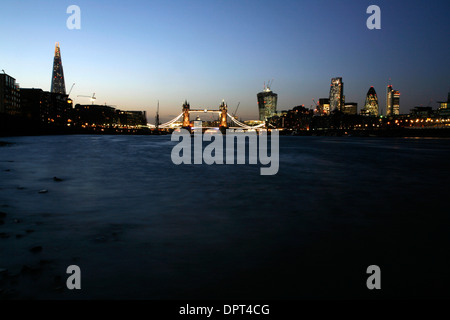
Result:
{"points": [[134, 53]]}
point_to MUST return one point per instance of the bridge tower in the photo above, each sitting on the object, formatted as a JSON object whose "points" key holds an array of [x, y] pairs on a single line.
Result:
{"points": [[223, 114], [186, 108]]}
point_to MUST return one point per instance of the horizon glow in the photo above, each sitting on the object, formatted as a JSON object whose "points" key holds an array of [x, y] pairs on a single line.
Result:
{"points": [[136, 53]]}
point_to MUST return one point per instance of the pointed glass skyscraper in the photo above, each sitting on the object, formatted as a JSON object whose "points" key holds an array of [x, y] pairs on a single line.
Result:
{"points": [[58, 85]]}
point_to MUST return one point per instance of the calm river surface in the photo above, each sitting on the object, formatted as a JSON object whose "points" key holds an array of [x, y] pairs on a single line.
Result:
{"points": [[140, 227]]}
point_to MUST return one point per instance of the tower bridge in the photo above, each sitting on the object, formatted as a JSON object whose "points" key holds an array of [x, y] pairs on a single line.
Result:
{"points": [[223, 114]]}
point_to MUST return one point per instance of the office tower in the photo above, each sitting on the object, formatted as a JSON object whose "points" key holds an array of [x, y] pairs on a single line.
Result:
{"points": [[9, 95], [267, 103], [392, 102], [350, 108], [337, 94], [58, 85], [371, 107], [324, 105]]}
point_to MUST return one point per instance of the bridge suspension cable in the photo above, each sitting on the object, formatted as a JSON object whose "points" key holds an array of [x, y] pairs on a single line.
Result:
{"points": [[240, 124], [243, 125], [168, 123]]}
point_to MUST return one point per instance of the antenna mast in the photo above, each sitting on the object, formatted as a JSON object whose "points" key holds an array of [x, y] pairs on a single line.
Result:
{"points": [[157, 117]]}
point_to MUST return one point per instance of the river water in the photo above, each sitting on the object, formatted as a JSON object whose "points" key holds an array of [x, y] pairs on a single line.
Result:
{"points": [[140, 227]]}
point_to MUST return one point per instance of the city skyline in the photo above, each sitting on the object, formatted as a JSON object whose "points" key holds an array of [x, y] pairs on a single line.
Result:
{"points": [[131, 60]]}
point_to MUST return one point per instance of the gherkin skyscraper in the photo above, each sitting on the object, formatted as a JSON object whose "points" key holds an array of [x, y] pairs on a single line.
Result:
{"points": [[371, 106], [58, 85]]}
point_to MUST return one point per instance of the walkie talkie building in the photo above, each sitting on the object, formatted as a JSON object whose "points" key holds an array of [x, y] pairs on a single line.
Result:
{"points": [[267, 103]]}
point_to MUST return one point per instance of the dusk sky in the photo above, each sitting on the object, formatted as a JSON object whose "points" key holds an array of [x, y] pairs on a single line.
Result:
{"points": [[134, 53]]}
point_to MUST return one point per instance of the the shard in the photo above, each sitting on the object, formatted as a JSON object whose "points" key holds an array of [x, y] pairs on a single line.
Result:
{"points": [[58, 85]]}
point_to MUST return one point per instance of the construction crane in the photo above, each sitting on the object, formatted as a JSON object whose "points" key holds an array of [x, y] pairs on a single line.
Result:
{"points": [[92, 98], [269, 84], [235, 111], [71, 89], [68, 96], [316, 105]]}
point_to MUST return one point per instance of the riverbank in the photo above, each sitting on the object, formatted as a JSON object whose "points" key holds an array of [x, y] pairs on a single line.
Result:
{"points": [[21, 126], [381, 133]]}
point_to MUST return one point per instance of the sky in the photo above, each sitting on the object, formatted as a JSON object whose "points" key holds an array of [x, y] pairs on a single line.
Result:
{"points": [[134, 53]]}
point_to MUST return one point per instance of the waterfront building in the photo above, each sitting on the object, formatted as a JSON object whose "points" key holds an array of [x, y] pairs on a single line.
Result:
{"points": [[95, 115], [444, 107], [132, 118], [422, 112], [45, 107], [298, 118]]}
